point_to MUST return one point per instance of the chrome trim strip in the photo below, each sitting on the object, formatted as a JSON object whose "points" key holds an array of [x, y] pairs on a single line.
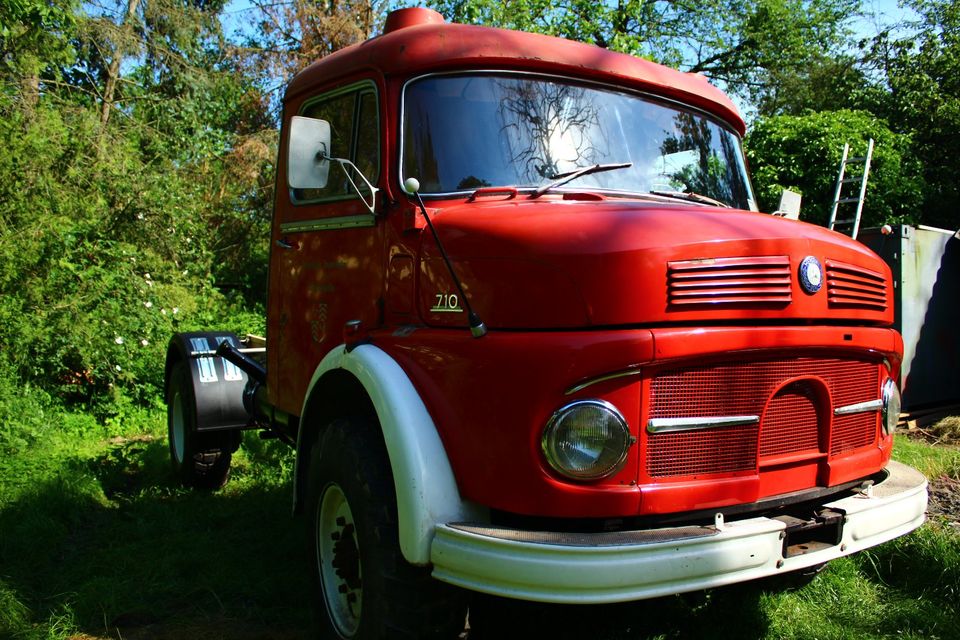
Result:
{"points": [[670, 425], [860, 407], [325, 224], [592, 381], [211, 353]]}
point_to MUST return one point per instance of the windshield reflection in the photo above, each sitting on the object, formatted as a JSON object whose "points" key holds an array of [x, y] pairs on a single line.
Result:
{"points": [[464, 132], [547, 127]]}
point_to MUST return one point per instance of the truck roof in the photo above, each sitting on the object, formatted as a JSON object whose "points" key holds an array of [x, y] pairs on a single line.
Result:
{"points": [[418, 40]]}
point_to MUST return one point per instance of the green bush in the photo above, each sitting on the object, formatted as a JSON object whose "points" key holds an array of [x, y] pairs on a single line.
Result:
{"points": [[803, 153], [104, 253]]}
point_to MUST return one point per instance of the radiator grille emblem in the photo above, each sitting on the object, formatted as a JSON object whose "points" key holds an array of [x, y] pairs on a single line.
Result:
{"points": [[811, 274]]}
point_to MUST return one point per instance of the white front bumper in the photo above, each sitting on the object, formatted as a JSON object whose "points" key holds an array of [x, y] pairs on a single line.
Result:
{"points": [[621, 566]]}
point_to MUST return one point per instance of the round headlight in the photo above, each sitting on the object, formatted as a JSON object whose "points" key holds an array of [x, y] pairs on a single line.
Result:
{"points": [[586, 440], [890, 412]]}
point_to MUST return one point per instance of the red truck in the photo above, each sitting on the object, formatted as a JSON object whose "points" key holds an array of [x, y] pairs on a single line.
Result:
{"points": [[531, 337]]}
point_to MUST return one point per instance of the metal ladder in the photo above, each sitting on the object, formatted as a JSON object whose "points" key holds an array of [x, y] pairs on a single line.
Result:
{"points": [[850, 226]]}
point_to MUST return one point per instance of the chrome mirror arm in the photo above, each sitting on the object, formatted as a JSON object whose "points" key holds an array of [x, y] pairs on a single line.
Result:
{"points": [[344, 163]]}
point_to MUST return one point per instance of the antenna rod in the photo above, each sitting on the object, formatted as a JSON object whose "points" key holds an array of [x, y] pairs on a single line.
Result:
{"points": [[477, 328]]}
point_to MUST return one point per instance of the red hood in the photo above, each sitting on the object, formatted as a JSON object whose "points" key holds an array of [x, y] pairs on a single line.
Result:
{"points": [[552, 263]]}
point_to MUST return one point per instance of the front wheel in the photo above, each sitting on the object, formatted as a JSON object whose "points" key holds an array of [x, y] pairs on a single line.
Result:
{"points": [[366, 589]]}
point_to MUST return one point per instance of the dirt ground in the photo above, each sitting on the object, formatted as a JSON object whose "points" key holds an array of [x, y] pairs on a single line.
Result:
{"points": [[944, 491], [945, 500]]}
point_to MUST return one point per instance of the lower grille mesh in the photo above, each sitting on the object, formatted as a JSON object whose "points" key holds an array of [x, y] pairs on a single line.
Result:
{"points": [[722, 450], [791, 423]]}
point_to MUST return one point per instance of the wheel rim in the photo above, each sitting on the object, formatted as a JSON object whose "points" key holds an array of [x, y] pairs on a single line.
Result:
{"points": [[177, 428], [338, 561]]}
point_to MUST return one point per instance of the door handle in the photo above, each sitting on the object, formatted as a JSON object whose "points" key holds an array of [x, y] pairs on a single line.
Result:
{"points": [[286, 244]]}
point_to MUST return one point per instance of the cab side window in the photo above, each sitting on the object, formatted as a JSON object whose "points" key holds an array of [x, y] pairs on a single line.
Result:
{"points": [[354, 135]]}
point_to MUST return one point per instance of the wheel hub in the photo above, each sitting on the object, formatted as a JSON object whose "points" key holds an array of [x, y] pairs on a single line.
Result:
{"points": [[346, 556], [338, 561]]}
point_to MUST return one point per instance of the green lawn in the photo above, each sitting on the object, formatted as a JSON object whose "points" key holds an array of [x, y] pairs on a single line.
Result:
{"points": [[96, 541]]}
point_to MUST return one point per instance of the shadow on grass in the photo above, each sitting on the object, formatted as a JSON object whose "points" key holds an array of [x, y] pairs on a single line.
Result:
{"points": [[112, 548], [731, 613]]}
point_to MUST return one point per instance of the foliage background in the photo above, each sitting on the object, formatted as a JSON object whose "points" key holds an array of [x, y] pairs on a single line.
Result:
{"points": [[137, 142], [139, 139]]}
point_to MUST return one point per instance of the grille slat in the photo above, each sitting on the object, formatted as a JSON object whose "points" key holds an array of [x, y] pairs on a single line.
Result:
{"points": [[729, 281], [726, 274], [852, 286], [741, 282], [791, 423]]}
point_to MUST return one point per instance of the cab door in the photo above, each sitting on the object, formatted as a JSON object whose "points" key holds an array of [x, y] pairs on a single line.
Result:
{"points": [[327, 263]]}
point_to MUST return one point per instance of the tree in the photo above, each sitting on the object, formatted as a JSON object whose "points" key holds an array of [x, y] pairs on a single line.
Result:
{"points": [[828, 82], [803, 153], [34, 40], [290, 35], [134, 182], [737, 43], [134, 52], [922, 99]]}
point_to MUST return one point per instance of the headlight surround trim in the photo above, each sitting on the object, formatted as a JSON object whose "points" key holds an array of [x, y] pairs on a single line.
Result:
{"points": [[608, 460], [890, 410]]}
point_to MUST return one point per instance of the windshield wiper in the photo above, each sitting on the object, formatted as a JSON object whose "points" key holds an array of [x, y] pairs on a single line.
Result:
{"points": [[564, 178], [692, 197]]}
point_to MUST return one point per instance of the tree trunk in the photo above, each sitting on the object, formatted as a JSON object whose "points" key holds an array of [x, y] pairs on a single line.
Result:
{"points": [[28, 77], [113, 72]]}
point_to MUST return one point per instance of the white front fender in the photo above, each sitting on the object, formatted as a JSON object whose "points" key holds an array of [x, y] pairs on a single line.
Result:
{"points": [[426, 489]]}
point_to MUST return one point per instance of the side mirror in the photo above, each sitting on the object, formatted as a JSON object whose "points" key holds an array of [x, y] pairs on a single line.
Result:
{"points": [[308, 153]]}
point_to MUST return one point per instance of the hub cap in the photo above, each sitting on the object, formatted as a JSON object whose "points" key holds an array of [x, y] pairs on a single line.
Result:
{"points": [[338, 560]]}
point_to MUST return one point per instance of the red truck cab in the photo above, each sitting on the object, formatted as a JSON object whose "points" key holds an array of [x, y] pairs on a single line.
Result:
{"points": [[531, 337]]}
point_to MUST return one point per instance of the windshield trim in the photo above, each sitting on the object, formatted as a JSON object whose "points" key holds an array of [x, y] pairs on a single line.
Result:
{"points": [[652, 97]]}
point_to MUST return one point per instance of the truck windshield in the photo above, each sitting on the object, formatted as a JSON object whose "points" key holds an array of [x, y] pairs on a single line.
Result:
{"points": [[464, 132]]}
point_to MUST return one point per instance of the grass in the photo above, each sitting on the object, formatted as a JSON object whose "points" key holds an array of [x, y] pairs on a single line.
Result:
{"points": [[96, 541], [932, 460]]}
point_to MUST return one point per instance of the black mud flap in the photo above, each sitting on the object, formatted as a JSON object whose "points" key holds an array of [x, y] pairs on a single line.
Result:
{"points": [[822, 531], [218, 385]]}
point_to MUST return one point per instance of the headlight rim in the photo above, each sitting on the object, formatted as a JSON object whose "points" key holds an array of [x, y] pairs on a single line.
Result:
{"points": [[555, 419], [889, 391]]}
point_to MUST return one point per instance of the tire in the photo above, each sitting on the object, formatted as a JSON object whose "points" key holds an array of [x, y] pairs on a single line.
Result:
{"points": [[199, 460], [365, 589]]}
